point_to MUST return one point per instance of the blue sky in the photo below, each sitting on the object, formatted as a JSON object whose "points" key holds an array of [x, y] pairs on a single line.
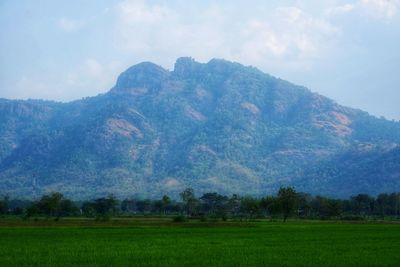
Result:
{"points": [[65, 50]]}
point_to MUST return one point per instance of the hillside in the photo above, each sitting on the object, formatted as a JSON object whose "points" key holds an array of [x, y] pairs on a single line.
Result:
{"points": [[218, 126]]}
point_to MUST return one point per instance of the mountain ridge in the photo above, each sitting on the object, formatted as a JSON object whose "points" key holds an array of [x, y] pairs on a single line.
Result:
{"points": [[218, 126]]}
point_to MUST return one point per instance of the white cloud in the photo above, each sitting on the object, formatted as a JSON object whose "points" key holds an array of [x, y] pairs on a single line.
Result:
{"points": [[93, 76], [380, 8], [288, 34], [140, 11], [88, 78], [339, 10], [285, 33], [69, 25], [320, 44], [27, 86], [93, 68]]}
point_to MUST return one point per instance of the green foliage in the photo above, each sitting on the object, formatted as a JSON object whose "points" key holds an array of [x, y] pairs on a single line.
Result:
{"points": [[218, 126], [213, 206], [250, 206], [52, 205], [4, 205], [166, 201], [271, 205], [102, 208], [189, 199], [179, 218], [287, 199], [326, 207]]}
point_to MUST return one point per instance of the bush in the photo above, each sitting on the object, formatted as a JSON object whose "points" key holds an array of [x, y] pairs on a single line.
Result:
{"points": [[103, 217], [352, 218], [224, 218], [179, 218], [203, 218]]}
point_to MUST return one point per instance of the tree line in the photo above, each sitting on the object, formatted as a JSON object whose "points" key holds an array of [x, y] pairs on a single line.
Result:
{"points": [[286, 203]]}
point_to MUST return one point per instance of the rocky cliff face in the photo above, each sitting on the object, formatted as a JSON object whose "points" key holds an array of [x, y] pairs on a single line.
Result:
{"points": [[218, 126]]}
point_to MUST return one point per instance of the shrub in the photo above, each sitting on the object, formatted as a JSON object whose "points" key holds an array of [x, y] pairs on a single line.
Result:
{"points": [[179, 218], [203, 218], [352, 218]]}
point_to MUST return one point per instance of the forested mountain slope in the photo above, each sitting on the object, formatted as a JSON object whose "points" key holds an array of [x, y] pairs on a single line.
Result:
{"points": [[218, 126]]}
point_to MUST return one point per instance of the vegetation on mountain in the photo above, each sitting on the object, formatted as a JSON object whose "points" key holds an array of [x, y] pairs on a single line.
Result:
{"points": [[218, 126]]}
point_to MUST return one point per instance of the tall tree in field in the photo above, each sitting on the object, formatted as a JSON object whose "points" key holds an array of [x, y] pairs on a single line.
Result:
{"points": [[234, 204], [251, 206], [105, 207], [189, 199], [214, 204], [50, 204], [287, 198], [53, 205], [4, 205], [362, 204], [270, 205], [165, 203]]}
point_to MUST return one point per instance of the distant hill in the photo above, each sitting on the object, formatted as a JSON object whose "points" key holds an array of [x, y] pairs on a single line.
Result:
{"points": [[218, 126]]}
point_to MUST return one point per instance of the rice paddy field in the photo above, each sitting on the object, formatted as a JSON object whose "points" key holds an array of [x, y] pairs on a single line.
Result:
{"points": [[161, 242]]}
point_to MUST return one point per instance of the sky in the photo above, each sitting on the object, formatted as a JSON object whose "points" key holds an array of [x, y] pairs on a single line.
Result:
{"points": [[65, 50]]}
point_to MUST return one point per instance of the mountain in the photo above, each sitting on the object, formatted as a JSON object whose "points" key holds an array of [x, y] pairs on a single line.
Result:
{"points": [[219, 126]]}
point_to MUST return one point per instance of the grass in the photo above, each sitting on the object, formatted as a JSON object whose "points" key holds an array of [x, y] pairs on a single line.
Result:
{"points": [[160, 242]]}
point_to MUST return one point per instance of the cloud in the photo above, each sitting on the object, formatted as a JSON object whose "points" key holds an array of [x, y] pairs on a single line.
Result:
{"points": [[93, 76], [339, 10], [380, 8], [139, 11], [25, 87], [321, 44], [283, 33], [69, 25], [90, 76], [377, 9], [287, 34]]}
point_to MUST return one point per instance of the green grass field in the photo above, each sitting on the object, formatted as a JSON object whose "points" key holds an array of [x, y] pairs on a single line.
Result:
{"points": [[159, 242]]}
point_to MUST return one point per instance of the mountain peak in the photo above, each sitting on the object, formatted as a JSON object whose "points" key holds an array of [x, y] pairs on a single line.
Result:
{"points": [[142, 75], [219, 125], [185, 66]]}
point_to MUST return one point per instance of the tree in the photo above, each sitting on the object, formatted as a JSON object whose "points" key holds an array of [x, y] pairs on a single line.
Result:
{"points": [[165, 203], [287, 198], [67, 208], [215, 204], [32, 210], [332, 207], [234, 204], [50, 204], [4, 205], [304, 201], [189, 199], [394, 202], [157, 206], [362, 204], [105, 207], [250, 206], [326, 207], [383, 204], [128, 205], [143, 206], [88, 209], [270, 205]]}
